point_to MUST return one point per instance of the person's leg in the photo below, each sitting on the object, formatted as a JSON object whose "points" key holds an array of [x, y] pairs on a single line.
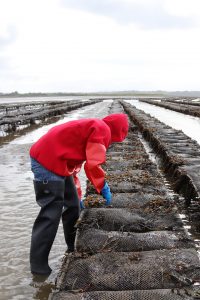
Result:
{"points": [[71, 212], [49, 191]]}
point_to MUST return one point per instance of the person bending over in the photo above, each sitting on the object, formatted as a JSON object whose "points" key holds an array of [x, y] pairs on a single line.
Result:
{"points": [[56, 158]]}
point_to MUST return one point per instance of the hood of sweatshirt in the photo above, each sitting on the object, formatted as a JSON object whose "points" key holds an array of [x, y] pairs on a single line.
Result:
{"points": [[118, 124]]}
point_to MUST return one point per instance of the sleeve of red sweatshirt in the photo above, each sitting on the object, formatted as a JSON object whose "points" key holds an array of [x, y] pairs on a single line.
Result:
{"points": [[96, 147], [78, 185], [77, 181], [96, 155]]}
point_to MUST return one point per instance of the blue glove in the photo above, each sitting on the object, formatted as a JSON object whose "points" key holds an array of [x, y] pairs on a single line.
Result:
{"points": [[82, 205], [106, 193]]}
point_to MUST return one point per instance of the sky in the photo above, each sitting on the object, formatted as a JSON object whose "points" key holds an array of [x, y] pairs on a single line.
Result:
{"points": [[99, 45]]}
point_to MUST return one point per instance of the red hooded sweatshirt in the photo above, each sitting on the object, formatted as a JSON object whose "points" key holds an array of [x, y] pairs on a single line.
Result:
{"points": [[65, 147]]}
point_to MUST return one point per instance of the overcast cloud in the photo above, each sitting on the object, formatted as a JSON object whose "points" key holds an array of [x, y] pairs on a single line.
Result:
{"points": [[93, 45], [8, 37], [149, 14]]}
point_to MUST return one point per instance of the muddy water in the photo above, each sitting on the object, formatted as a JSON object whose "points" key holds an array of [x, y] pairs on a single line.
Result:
{"points": [[188, 124], [18, 211], [50, 98]]}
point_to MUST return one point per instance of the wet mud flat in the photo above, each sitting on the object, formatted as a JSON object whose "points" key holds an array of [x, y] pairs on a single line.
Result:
{"points": [[137, 248], [16, 116], [187, 106]]}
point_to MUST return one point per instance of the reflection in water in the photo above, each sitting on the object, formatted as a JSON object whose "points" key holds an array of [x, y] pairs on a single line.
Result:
{"points": [[42, 288], [18, 211]]}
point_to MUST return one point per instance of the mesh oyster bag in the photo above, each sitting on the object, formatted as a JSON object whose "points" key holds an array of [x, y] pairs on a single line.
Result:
{"points": [[125, 295], [158, 269], [94, 240], [136, 201], [141, 200], [124, 220], [140, 163]]}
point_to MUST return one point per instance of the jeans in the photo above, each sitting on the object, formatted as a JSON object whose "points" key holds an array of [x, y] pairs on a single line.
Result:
{"points": [[42, 174]]}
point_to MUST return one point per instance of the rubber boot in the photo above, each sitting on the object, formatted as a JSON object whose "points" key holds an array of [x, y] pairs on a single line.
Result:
{"points": [[50, 197], [71, 213]]}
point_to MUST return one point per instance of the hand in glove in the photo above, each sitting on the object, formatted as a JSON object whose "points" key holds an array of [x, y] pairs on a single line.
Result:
{"points": [[106, 193], [82, 205]]}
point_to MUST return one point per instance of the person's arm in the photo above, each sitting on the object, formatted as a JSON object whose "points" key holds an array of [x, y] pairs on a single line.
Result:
{"points": [[95, 156], [78, 185]]}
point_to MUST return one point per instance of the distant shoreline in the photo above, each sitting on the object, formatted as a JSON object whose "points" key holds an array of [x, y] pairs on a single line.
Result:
{"points": [[107, 94]]}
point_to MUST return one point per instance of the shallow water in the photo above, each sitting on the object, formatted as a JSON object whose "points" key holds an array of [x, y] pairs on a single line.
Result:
{"points": [[39, 98], [188, 124], [18, 210]]}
